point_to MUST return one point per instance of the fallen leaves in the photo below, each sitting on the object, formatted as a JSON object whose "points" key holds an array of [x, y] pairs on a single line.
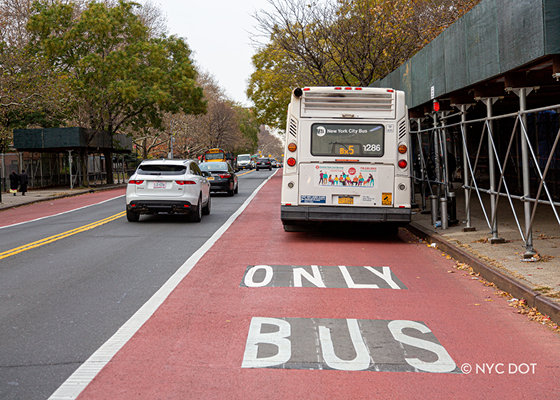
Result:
{"points": [[531, 312], [547, 291], [520, 304]]}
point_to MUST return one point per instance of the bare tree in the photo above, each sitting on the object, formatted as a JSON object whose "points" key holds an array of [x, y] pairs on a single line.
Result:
{"points": [[353, 42], [219, 127], [269, 144]]}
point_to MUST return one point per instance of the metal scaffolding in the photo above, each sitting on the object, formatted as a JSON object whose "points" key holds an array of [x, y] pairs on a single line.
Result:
{"points": [[489, 168]]}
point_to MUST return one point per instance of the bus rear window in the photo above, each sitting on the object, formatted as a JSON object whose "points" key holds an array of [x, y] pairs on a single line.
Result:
{"points": [[215, 156], [364, 140]]}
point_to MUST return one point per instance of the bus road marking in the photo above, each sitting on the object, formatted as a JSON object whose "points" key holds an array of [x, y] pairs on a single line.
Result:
{"points": [[346, 345], [341, 276]]}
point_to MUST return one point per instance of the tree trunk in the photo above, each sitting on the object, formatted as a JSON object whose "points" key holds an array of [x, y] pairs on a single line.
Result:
{"points": [[145, 149]]}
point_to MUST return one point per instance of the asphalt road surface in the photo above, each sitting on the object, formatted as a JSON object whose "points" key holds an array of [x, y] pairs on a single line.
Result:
{"points": [[62, 299]]}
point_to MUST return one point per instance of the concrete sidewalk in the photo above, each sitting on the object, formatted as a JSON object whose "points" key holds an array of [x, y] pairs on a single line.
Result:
{"points": [[536, 280]]}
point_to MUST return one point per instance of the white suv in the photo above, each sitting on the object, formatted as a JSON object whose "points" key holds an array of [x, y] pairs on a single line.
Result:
{"points": [[168, 186]]}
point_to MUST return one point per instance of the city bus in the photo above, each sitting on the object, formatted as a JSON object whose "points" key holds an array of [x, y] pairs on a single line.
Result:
{"points": [[346, 158], [215, 155]]}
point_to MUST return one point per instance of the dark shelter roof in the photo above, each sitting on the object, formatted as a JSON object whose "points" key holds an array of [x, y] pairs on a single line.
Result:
{"points": [[497, 46], [63, 139]]}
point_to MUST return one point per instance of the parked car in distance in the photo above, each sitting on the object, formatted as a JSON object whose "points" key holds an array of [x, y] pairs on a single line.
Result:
{"points": [[244, 161], [168, 186], [264, 163], [274, 163], [222, 177]]}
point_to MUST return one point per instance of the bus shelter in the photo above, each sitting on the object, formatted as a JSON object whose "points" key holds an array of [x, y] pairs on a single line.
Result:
{"points": [[70, 156]]}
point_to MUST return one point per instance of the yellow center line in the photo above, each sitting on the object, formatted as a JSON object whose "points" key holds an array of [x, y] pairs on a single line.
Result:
{"points": [[63, 235], [245, 173]]}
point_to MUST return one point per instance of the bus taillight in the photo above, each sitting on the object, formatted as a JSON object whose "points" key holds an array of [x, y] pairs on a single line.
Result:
{"points": [[402, 164], [291, 161], [402, 148], [292, 147]]}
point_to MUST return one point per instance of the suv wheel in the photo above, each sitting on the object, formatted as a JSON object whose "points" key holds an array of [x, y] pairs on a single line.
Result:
{"points": [[132, 216], [207, 207], [197, 215]]}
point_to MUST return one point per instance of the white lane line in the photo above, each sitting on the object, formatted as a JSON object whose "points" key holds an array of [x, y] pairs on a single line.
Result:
{"points": [[65, 212], [78, 381]]}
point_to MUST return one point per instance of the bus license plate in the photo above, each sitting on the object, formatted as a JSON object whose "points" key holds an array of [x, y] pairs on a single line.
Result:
{"points": [[159, 185], [345, 200]]}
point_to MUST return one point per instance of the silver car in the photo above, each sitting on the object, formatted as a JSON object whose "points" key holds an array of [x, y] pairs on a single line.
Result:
{"points": [[168, 186]]}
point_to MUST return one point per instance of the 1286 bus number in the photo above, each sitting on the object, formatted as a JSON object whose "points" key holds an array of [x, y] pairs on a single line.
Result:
{"points": [[372, 147]]}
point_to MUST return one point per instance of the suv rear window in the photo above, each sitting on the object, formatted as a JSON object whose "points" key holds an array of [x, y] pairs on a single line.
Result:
{"points": [[162, 169]]}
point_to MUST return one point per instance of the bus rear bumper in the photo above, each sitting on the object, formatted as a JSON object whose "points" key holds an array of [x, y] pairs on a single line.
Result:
{"points": [[291, 214]]}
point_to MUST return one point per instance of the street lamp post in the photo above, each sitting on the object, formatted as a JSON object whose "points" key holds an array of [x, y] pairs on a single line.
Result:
{"points": [[172, 139]]}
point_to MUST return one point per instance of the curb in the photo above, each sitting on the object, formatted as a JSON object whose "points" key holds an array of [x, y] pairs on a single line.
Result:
{"points": [[84, 191], [487, 272]]}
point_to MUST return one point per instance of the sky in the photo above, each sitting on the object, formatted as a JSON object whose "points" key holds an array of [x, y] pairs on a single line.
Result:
{"points": [[218, 33]]}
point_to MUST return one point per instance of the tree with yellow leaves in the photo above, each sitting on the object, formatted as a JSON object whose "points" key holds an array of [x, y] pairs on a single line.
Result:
{"points": [[338, 42]]}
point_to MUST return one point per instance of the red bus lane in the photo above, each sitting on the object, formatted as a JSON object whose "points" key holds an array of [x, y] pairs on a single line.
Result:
{"points": [[298, 315], [47, 208]]}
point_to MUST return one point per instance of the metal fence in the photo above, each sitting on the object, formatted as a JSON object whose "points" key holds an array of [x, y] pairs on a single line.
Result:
{"points": [[513, 156]]}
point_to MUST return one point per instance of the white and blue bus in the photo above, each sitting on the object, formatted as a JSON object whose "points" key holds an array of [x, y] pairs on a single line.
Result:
{"points": [[346, 157]]}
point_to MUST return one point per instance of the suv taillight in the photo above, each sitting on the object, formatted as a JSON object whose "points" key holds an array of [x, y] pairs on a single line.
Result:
{"points": [[135, 182], [185, 183], [225, 175]]}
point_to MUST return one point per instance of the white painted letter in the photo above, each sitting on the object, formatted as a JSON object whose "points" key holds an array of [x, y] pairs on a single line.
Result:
{"points": [[362, 359], [350, 282], [444, 363], [315, 279], [497, 371], [249, 282], [385, 275], [278, 339]]}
